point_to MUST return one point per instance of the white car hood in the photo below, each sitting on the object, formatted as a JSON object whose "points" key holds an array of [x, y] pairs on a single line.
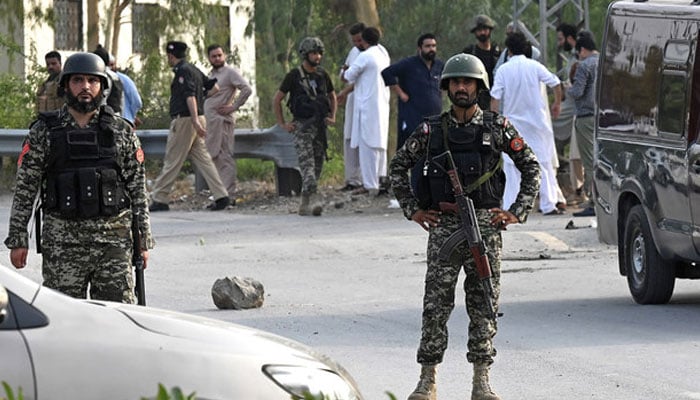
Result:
{"points": [[212, 331]]}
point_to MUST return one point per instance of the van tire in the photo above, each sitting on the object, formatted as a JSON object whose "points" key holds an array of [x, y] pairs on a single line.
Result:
{"points": [[650, 278]]}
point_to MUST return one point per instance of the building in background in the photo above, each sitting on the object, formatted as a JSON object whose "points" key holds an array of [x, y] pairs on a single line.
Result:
{"points": [[80, 25]]}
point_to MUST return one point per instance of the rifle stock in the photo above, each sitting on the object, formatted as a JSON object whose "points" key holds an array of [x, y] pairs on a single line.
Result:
{"points": [[137, 260], [464, 207]]}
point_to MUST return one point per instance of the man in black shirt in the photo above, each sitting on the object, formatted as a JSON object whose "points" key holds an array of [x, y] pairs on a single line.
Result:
{"points": [[485, 51], [187, 131]]}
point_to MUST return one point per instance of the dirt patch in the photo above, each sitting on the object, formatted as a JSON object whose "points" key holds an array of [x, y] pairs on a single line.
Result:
{"points": [[255, 197]]}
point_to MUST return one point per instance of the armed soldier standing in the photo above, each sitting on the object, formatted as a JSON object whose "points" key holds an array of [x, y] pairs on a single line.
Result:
{"points": [[313, 105], [477, 140], [88, 166]]}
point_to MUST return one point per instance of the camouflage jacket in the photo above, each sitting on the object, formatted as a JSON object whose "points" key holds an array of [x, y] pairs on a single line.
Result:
{"points": [[31, 178], [507, 140]]}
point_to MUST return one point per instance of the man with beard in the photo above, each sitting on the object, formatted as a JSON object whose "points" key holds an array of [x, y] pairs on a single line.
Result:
{"points": [[87, 164], [219, 110], [312, 102], [485, 51], [47, 98], [187, 131], [564, 131], [477, 139], [416, 82]]}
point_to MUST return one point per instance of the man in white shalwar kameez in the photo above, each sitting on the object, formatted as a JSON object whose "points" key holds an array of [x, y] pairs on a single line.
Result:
{"points": [[351, 156], [370, 125], [517, 86]]}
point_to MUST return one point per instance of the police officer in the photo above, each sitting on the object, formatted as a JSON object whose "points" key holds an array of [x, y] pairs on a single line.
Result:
{"points": [[313, 105], [87, 164], [187, 131], [477, 139]]}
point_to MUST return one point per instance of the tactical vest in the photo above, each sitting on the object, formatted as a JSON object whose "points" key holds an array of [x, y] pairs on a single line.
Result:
{"points": [[312, 100], [83, 175], [49, 99], [476, 157]]}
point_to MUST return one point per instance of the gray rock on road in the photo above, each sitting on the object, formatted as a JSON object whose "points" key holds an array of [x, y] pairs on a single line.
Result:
{"points": [[237, 293]]}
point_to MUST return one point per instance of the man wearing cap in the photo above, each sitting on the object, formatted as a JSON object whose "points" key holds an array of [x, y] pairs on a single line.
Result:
{"points": [[87, 164], [187, 131], [485, 51]]}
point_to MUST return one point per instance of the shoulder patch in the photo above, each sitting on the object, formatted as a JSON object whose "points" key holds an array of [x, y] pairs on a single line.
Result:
{"points": [[412, 145], [140, 157], [517, 144]]}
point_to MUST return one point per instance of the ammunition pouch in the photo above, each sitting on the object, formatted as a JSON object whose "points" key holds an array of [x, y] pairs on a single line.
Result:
{"points": [[84, 175]]}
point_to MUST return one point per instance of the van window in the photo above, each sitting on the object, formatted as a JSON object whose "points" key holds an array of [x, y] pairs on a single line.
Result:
{"points": [[672, 102]]}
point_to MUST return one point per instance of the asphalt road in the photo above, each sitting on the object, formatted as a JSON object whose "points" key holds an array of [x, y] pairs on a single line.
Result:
{"points": [[351, 286]]}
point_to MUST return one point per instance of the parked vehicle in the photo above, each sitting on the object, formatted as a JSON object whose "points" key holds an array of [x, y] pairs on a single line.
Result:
{"points": [[647, 167], [57, 347]]}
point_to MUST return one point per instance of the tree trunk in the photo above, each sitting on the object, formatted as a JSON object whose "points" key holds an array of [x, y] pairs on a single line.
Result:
{"points": [[117, 24], [363, 10], [366, 11], [93, 24]]}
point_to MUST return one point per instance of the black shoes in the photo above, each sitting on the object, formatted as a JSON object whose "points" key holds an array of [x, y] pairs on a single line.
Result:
{"points": [[349, 187], [586, 212], [157, 206], [219, 204], [556, 211]]}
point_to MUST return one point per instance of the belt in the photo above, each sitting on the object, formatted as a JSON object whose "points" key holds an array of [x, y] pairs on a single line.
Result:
{"points": [[180, 115], [584, 116]]}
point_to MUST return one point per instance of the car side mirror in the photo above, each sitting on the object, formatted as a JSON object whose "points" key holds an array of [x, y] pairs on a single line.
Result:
{"points": [[3, 303]]}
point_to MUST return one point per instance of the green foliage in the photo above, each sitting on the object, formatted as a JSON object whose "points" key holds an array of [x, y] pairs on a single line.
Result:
{"points": [[280, 26], [174, 394], [249, 169], [17, 101], [10, 394]]}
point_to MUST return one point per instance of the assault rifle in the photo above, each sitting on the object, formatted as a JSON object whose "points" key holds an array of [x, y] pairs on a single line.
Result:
{"points": [[470, 233], [137, 260]]}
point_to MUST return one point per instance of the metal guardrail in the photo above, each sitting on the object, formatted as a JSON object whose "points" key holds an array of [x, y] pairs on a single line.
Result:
{"points": [[272, 144]]}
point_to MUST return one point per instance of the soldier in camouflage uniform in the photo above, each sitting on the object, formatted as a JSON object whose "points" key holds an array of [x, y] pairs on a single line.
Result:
{"points": [[87, 164], [313, 105], [477, 140], [47, 98]]}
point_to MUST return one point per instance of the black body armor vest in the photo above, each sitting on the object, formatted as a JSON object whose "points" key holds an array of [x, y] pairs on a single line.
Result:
{"points": [[83, 175], [475, 155]]}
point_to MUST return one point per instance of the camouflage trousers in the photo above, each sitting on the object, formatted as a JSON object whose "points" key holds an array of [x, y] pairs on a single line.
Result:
{"points": [[105, 267], [440, 283], [310, 146]]}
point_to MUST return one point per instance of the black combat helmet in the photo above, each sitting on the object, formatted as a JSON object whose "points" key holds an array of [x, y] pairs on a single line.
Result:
{"points": [[464, 66], [87, 64]]}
